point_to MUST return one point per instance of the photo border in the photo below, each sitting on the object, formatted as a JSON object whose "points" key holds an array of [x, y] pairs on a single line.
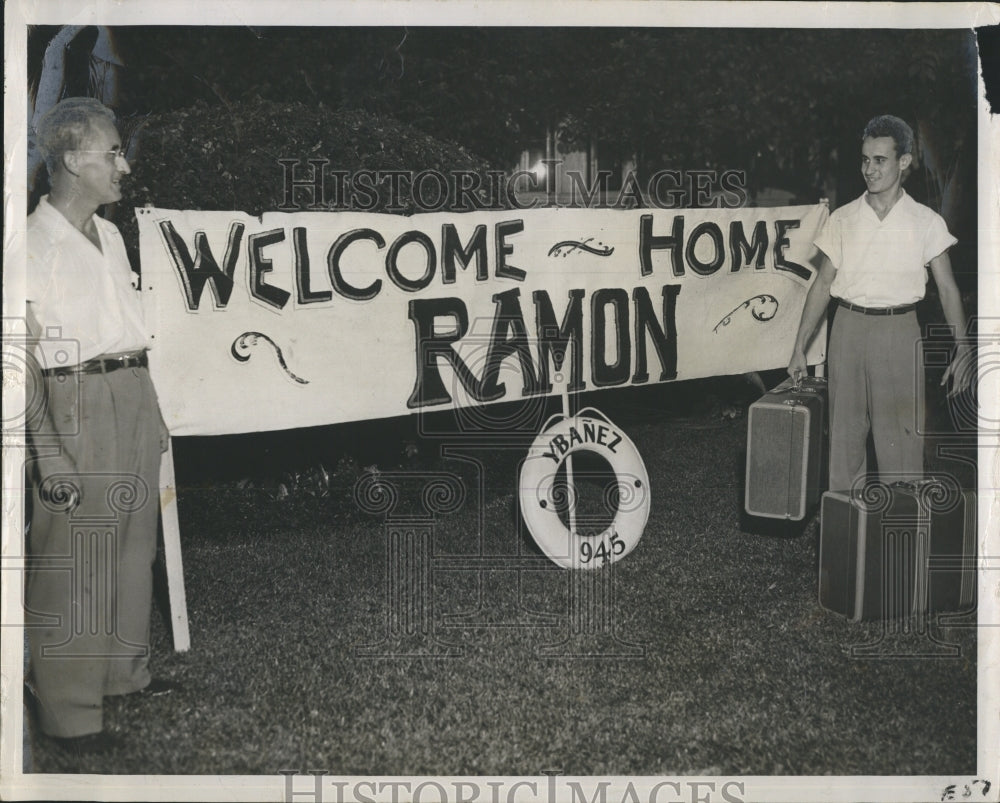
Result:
{"points": [[616, 13]]}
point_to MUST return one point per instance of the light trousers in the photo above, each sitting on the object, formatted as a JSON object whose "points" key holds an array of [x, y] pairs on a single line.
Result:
{"points": [[89, 589], [875, 379]]}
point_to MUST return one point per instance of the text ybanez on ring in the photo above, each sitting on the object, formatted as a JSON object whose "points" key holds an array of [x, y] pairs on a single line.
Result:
{"points": [[542, 495]]}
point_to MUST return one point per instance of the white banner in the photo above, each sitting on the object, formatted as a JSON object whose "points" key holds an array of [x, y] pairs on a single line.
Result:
{"points": [[311, 318]]}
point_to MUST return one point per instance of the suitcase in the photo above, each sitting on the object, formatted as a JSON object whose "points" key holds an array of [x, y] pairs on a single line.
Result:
{"points": [[786, 467], [895, 551]]}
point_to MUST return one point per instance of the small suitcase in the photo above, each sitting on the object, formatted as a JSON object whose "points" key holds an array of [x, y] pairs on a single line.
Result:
{"points": [[786, 466], [895, 551]]}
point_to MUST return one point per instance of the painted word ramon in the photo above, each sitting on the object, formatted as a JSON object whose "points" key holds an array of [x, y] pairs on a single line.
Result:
{"points": [[552, 341]]}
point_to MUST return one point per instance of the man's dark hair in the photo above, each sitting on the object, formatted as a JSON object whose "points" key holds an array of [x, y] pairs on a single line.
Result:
{"points": [[885, 125]]}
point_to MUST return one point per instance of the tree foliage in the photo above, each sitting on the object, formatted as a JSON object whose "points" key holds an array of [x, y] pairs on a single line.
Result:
{"points": [[784, 105], [769, 100], [227, 157]]}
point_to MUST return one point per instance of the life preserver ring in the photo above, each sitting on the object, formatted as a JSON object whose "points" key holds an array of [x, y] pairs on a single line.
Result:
{"points": [[589, 430]]}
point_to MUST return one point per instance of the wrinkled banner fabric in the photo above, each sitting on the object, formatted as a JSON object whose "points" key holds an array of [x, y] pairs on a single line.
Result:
{"points": [[309, 318]]}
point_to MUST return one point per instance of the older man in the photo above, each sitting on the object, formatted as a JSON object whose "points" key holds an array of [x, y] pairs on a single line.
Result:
{"points": [[876, 251], [96, 443]]}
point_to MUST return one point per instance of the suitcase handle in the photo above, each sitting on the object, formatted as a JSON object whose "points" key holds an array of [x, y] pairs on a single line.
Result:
{"points": [[797, 390], [915, 485], [933, 494], [811, 384]]}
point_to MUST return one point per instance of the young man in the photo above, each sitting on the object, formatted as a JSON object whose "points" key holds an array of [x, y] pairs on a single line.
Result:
{"points": [[96, 443], [874, 253]]}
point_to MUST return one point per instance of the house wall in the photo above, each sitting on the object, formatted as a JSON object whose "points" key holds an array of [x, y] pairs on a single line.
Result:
{"points": [[583, 163]]}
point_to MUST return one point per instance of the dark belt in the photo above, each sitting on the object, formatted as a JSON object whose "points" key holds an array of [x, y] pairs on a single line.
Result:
{"points": [[877, 310], [102, 365]]}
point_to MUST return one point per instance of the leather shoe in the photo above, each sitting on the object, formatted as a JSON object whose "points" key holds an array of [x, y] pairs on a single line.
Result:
{"points": [[88, 744]]}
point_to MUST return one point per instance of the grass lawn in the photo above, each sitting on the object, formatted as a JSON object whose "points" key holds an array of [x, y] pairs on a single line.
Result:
{"points": [[704, 651]]}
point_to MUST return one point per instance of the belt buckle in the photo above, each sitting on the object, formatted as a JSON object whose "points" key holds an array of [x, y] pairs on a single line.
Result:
{"points": [[107, 364], [116, 362]]}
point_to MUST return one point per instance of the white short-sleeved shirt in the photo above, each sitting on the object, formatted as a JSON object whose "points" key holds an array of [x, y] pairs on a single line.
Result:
{"points": [[881, 263], [87, 295]]}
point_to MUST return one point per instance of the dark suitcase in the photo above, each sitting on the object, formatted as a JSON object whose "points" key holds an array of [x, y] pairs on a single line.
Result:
{"points": [[786, 450], [894, 551]]}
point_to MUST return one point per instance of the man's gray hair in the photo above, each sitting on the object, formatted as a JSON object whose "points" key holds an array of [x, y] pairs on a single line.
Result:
{"points": [[66, 127], [885, 125]]}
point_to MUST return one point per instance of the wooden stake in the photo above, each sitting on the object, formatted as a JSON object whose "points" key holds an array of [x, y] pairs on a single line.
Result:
{"points": [[172, 551], [570, 491]]}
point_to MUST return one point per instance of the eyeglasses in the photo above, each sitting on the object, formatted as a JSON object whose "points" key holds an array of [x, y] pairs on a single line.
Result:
{"points": [[114, 153]]}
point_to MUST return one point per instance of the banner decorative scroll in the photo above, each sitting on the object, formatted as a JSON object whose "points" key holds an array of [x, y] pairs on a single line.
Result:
{"points": [[353, 316]]}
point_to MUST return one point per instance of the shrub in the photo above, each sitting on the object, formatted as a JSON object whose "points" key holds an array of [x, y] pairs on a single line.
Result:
{"points": [[226, 157]]}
